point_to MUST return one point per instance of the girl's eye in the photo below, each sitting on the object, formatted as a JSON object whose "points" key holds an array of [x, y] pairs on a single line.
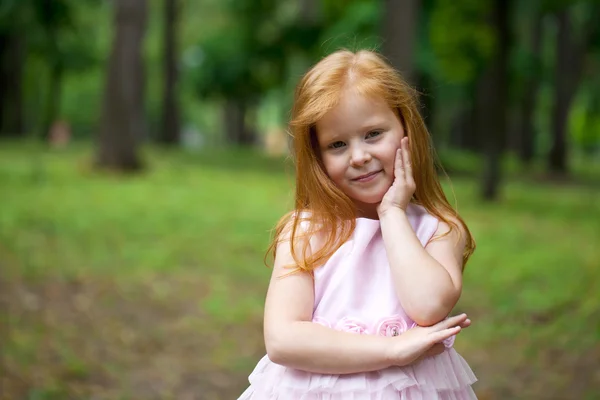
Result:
{"points": [[336, 145], [373, 134]]}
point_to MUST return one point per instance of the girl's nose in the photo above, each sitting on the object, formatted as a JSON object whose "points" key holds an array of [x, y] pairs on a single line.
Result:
{"points": [[359, 156]]}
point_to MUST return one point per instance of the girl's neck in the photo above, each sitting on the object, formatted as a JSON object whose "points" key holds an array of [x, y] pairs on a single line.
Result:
{"points": [[368, 211]]}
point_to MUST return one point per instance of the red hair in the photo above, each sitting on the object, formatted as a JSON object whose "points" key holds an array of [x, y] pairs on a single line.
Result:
{"points": [[319, 204]]}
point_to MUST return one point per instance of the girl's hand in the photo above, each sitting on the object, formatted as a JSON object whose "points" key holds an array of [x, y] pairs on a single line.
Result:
{"points": [[420, 342], [403, 188]]}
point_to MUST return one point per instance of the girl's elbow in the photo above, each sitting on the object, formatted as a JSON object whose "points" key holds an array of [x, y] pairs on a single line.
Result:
{"points": [[274, 352], [276, 347], [431, 313], [428, 319]]}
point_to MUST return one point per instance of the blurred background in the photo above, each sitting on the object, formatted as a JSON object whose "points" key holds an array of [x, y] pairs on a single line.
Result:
{"points": [[144, 162]]}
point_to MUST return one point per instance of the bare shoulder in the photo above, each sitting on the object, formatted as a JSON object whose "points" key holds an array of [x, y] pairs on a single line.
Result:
{"points": [[451, 227], [290, 296], [299, 236], [448, 243]]}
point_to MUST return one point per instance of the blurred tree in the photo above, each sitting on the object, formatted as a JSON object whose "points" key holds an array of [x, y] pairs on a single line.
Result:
{"points": [[399, 33], [12, 58], [11, 71], [571, 49], [462, 42], [249, 56], [230, 63], [494, 86], [62, 47], [310, 11], [530, 86], [425, 63], [122, 121], [226, 74], [353, 25], [46, 31], [586, 118], [170, 125]]}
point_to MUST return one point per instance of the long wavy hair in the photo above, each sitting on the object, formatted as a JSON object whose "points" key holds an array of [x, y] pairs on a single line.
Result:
{"points": [[321, 208]]}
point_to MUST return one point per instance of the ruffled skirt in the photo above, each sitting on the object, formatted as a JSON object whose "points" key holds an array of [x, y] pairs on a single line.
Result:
{"points": [[446, 376]]}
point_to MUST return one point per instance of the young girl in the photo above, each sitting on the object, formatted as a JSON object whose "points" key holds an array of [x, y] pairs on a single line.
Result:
{"points": [[369, 264]]}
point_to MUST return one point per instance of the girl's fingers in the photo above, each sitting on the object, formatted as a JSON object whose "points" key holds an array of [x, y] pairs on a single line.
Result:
{"points": [[407, 161], [451, 322], [399, 165], [436, 349], [442, 335], [405, 153]]}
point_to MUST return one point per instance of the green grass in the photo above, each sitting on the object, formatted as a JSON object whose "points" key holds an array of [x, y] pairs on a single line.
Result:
{"points": [[152, 285]]}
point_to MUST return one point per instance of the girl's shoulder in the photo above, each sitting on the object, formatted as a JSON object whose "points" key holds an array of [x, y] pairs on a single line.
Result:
{"points": [[423, 222], [300, 225], [420, 215], [428, 226]]}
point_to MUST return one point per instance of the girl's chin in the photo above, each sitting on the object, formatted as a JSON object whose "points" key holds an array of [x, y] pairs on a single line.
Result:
{"points": [[369, 201]]}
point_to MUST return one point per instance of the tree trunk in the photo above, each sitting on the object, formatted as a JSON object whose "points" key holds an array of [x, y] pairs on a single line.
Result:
{"points": [[468, 123], [530, 90], [495, 111], [569, 60], [234, 116], [170, 129], [53, 101], [399, 30], [461, 123], [122, 122], [425, 85], [310, 11], [238, 132], [482, 89], [11, 97]]}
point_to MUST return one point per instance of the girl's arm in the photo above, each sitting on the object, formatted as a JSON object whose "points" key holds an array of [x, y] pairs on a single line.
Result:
{"points": [[428, 280], [294, 341]]}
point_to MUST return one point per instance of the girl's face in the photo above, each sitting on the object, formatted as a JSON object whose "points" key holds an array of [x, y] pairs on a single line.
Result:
{"points": [[358, 140]]}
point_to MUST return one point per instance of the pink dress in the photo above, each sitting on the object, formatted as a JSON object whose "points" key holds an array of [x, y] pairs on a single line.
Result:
{"points": [[354, 293]]}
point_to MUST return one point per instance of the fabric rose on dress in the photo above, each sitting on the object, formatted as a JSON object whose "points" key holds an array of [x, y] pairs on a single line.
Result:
{"points": [[392, 326], [352, 325]]}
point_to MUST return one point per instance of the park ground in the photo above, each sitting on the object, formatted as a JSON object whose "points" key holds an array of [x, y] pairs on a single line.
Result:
{"points": [[151, 286]]}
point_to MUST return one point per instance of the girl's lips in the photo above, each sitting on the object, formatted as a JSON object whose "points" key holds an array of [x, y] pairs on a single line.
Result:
{"points": [[367, 177]]}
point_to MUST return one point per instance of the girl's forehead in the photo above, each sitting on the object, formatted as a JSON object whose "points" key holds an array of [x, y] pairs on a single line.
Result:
{"points": [[353, 106]]}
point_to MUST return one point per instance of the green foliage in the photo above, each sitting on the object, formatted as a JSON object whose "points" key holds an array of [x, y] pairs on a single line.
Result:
{"points": [[352, 25], [462, 38], [584, 120], [15, 16], [552, 6], [256, 50], [51, 29], [247, 56], [251, 53]]}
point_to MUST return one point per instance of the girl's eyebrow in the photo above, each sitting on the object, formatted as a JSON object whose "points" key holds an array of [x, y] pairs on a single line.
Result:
{"points": [[330, 136], [372, 125], [334, 136]]}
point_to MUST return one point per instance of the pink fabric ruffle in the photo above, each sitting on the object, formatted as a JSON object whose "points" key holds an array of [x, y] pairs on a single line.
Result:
{"points": [[443, 377]]}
